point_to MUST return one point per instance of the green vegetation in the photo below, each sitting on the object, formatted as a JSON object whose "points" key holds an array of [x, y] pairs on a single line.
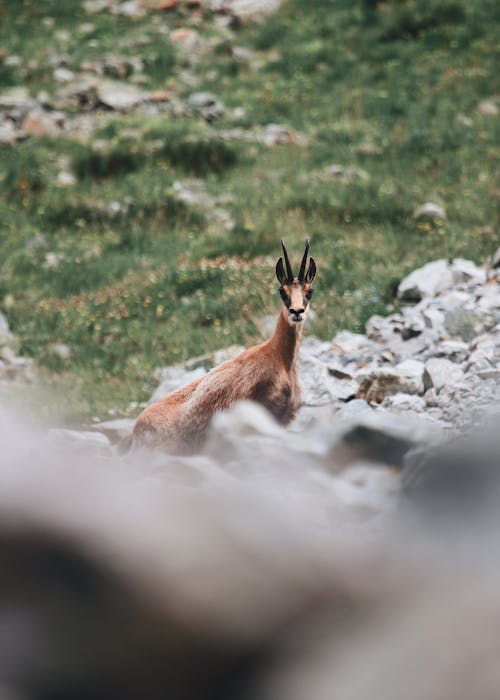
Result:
{"points": [[131, 276]]}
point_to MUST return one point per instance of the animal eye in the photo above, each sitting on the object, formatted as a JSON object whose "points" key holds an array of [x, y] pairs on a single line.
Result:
{"points": [[309, 293], [284, 296]]}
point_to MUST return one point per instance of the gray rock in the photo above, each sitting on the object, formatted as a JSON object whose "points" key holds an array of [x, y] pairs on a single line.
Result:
{"points": [[466, 271], [466, 324], [405, 402], [427, 281], [434, 318], [321, 386], [119, 96], [207, 104], [441, 372], [213, 359], [382, 436], [17, 98], [407, 377], [80, 440], [429, 210], [173, 378], [115, 430], [488, 108], [489, 298], [63, 75], [63, 351], [454, 350], [346, 174], [5, 334], [9, 134]]}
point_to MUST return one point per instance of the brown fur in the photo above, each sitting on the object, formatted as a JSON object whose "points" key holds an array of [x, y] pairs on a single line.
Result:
{"points": [[265, 373]]}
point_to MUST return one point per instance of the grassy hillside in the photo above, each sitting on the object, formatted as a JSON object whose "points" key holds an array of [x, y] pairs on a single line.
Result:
{"points": [[121, 266]]}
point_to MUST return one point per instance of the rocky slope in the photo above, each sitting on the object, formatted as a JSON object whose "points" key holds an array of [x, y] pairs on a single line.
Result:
{"points": [[418, 378], [277, 563]]}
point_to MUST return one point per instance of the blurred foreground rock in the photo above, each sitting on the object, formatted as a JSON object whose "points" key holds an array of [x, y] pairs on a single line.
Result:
{"points": [[204, 577]]}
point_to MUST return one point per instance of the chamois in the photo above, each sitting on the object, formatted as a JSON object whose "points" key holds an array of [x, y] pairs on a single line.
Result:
{"points": [[265, 373]]}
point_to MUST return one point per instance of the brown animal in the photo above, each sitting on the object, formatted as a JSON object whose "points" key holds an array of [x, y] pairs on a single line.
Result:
{"points": [[266, 373]]}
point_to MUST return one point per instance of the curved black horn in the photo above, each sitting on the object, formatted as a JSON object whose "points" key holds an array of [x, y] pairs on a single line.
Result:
{"points": [[302, 272], [289, 272]]}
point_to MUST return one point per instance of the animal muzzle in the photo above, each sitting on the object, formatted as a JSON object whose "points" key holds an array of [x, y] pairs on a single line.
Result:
{"points": [[297, 315]]}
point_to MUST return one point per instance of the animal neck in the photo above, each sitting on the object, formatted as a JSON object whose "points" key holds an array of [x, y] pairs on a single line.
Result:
{"points": [[286, 340]]}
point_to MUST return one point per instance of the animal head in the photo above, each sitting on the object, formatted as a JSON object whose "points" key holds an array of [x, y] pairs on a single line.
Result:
{"points": [[296, 292]]}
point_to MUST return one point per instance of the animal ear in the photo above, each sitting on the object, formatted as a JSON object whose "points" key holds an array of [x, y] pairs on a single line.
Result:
{"points": [[280, 272], [311, 271]]}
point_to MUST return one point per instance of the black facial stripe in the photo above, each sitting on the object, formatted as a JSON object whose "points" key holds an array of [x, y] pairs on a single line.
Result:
{"points": [[285, 297]]}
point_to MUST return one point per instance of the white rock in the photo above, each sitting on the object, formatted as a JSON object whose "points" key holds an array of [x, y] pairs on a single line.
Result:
{"points": [[454, 350], [119, 96], [320, 386], [412, 374], [4, 328], [429, 210], [63, 75], [427, 281], [404, 402], [115, 429], [173, 378], [80, 440], [62, 350], [467, 271], [9, 134], [441, 372], [66, 179], [252, 9], [488, 108], [17, 98]]}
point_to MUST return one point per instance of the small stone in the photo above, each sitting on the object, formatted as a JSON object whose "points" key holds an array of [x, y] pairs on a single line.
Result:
{"points": [[40, 123], [9, 134], [130, 8], [404, 402], [13, 61], [429, 210], [119, 96], [488, 108], [252, 10], [16, 98], [441, 372], [63, 75], [52, 260], [62, 351], [207, 104], [95, 6], [346, 174], [66, 179]]}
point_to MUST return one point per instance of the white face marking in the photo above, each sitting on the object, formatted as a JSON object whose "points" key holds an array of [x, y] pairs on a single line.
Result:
{"points": [[296, 302]]}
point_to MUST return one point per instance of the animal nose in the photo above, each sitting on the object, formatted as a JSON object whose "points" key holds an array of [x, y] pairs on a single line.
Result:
{"points": [[296, 312]]}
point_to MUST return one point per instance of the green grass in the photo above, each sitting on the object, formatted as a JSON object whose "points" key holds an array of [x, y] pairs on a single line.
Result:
{"points": [[392, 91]]}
